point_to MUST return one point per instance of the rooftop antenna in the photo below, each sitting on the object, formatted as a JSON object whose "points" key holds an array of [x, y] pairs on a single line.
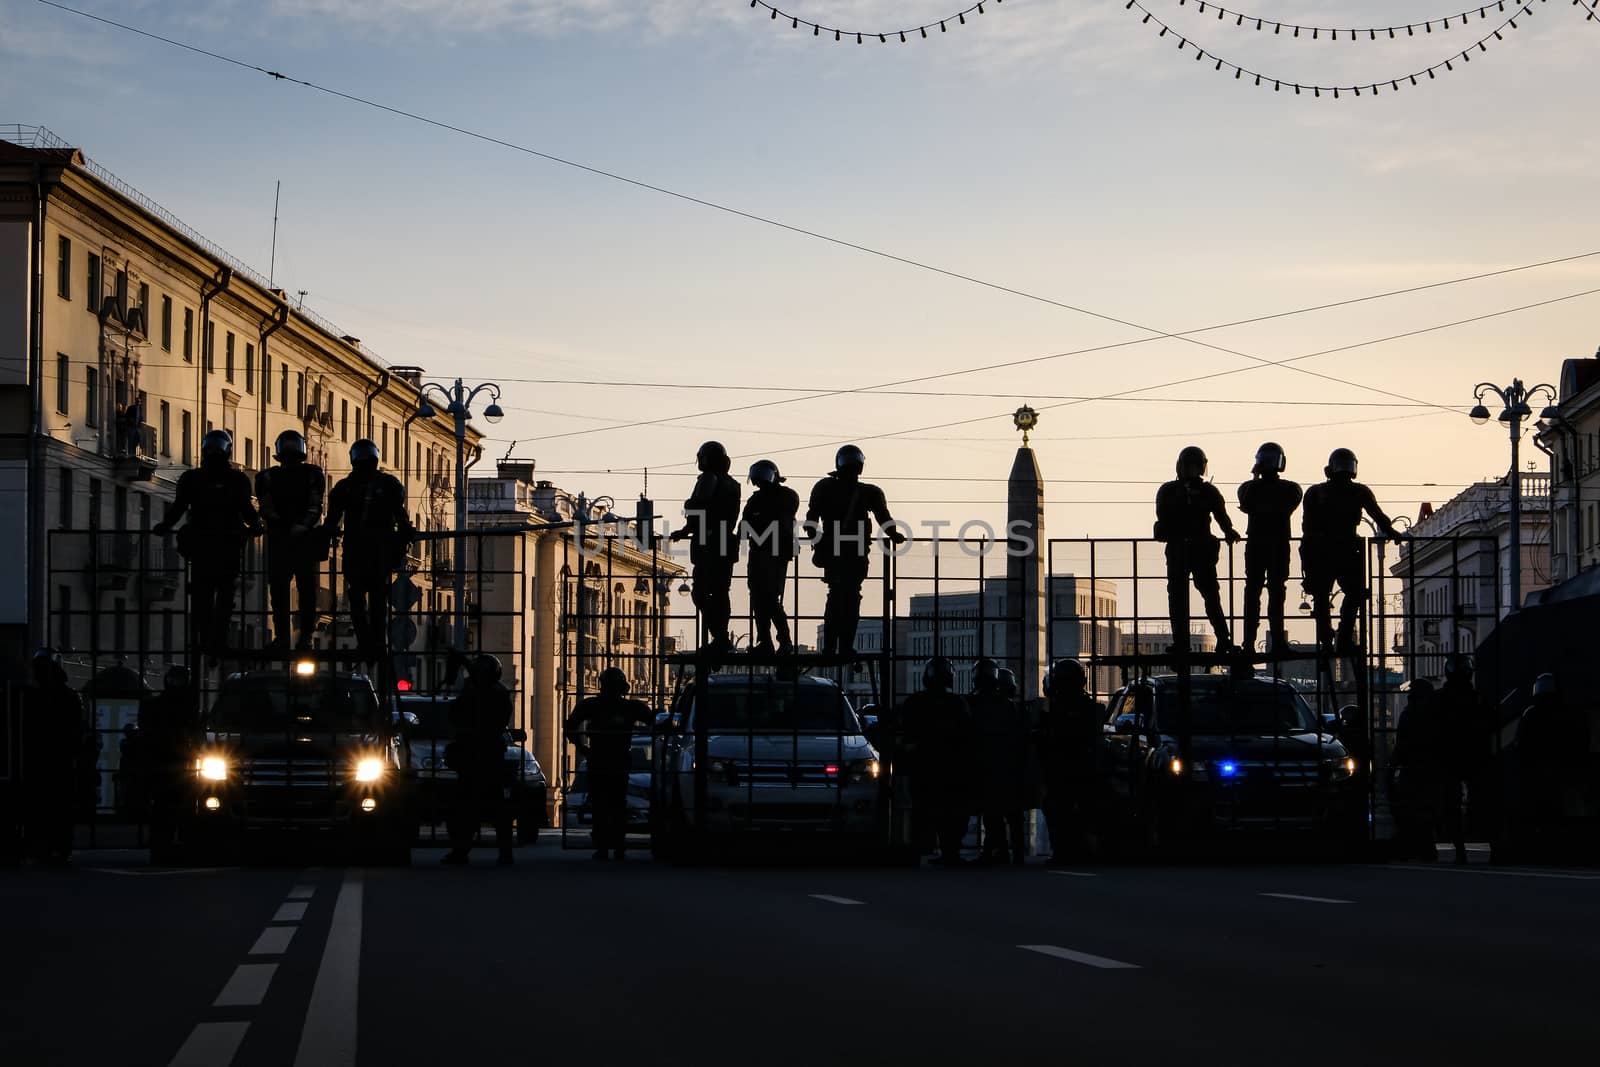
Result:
{"points": [[272, 264], [302, 293]]}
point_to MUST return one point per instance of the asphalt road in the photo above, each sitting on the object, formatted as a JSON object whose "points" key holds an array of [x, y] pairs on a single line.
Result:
{"points": [[562, 959]]}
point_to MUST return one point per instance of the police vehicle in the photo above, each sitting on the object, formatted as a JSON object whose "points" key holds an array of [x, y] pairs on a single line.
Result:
{"points": [[763, 753], [1246, 756], [304, 748]]}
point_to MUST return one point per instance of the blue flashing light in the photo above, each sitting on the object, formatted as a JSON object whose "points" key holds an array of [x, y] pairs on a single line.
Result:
{"points": [[1227, 768]]}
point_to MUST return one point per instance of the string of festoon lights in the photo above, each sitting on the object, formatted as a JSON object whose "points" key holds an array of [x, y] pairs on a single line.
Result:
{"points": [[1521, 9], [910, 33], [1592, 14], [1457, 20]]}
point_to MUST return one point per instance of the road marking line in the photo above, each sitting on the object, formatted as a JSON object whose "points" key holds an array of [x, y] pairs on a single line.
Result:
{"points": [[1312, 900], [1501, 873], [156, 874], [211, 1045], [833, 899], [247, 987], [1074, 874], [274, 941], [329, 1036], [289, 913], [302, 892], [1080, 957]]}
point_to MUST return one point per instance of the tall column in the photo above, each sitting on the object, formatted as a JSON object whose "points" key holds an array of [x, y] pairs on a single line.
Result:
{"points": [[1025, 563]]}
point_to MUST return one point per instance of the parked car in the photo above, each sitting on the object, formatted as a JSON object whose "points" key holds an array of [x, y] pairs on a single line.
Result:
{"points": [[425, 725], [1257, 759], [764, 753]]}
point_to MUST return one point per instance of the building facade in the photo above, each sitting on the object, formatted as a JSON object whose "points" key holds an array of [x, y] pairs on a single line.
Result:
{"points": [[124, 338], [1572, 441]]}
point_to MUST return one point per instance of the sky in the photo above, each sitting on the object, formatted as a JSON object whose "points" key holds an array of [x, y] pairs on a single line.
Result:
{"points": [[1058, 148]]}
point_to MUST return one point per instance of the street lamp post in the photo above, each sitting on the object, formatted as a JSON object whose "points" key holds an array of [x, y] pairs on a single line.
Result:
{"points": [[1514, 408], [459, 400]]}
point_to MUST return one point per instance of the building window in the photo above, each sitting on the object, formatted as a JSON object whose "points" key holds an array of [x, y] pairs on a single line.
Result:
{"points": [[64, 505], [188, 439], [249, 367], [166, 323], [299, 395], [144, 309], [344, 420], [209, 347], [383, 438], [119, 508], [249, 454], [266, 379], [122, 293], [63, 383], [166, 428], [64, 267], [94, 503], [64, 619], [361, 427], [227, 357], [91, 396], [188, 335], [283, 387], [92, 283]]}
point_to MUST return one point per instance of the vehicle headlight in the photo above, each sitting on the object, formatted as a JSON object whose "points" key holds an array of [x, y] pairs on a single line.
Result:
{"points": [[369, 770], [1176, 766], [213, 768], [1344, 768], [863, 770]]}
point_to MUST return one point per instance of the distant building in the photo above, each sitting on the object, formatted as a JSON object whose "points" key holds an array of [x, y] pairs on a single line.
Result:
{"points": [[1573, 443]]}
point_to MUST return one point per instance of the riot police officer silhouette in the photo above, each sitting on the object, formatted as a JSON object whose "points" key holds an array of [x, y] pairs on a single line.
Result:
{"points": [[938, 736], [169, 725], [371, 506], [839, 520], [601, 729], [217, 502], [1268, 500], [480, 715], [57, 757], [769, 517], [1184, 510], [1331, 548], [711, 525], [1070, 739], [291, 506]]}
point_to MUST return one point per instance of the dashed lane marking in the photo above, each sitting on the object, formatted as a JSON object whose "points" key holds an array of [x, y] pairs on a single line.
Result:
{"points": [[289, 913], [833, 899], [1500, 872], [211, 1045], [329, 1036], [1085, 958], [1309, 900], [302, 892], [247, 987], [274, 941], [139, 872], [1074, 874]]}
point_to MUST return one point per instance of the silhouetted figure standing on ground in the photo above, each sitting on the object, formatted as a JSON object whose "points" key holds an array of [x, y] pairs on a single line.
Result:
{"points": [[291, 497], [1184, 510], [711, 526], [480, 715], [1070, 737], [601, 729], [1552, 746], [839, 519], [53, 736], [1331, 548], [1465, 723], [169, 724], [937, 731], [1419, 770], [1002, 761], [221, 515], [1268, 499], [371, 506], [769, 518]]}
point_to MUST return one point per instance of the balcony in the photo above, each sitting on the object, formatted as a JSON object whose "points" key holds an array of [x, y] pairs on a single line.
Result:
{"points": [[135, 453]]}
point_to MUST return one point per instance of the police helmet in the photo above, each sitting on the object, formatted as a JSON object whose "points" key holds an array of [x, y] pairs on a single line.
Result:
{"points": [[849, 457], [613, 681], [217, 443], [47, 655], [1270, 458], [765, 472], [1006, 682], [1457, 663], [938, 672], [1341, 461], [1066, 676], [486, 668], [1192, 462], [1419, 689], [290, 447], [1544, 685], [177, 677], [985, 670], [713, 456], [364, 452]]}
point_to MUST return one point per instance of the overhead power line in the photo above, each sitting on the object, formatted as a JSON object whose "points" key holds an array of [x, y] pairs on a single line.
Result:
{"points": [[710, 204]]}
